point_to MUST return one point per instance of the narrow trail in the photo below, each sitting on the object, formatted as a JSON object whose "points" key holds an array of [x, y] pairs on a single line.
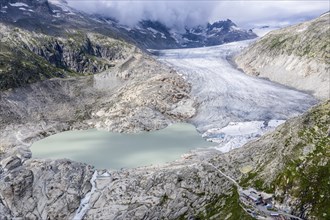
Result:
{"points": [[225, 175]]}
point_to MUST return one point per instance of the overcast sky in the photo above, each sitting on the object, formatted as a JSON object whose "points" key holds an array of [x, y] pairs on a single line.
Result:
{"points": [[188, 13]]}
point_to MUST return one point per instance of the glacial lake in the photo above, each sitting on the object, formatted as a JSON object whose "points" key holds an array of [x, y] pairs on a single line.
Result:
{"points": [[116, 150]]}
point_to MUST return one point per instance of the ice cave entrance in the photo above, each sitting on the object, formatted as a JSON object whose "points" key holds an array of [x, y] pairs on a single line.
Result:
{"points": [[116, 150]]}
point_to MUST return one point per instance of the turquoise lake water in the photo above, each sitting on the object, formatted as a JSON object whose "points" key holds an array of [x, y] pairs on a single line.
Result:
{"points": [[116, 150]]}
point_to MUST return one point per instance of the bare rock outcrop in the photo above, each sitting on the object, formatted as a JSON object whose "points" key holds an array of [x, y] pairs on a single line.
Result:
{"points": [[42, 189]]}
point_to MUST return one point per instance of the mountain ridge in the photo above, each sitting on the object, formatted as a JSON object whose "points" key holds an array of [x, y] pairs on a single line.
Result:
{"points": [[296, 56], [156, 35], [54, 17]]}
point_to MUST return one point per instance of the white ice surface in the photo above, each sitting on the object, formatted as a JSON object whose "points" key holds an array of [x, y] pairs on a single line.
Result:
{"points": [[226, 94], [236, 134]]}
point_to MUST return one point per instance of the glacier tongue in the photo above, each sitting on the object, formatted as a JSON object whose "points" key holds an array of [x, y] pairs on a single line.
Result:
{"points": [[236, 134], [227, 95]]}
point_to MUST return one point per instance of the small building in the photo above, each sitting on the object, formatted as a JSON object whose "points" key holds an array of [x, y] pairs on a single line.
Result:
{"points": [[266, 198], [252, 195], [269, 206]]}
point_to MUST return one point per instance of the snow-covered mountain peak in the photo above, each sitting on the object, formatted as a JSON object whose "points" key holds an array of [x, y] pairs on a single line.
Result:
{"points": [[58, 2]]}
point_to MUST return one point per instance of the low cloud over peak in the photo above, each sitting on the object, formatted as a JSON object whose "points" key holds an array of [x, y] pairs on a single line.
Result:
{"points": [[178, 14]]}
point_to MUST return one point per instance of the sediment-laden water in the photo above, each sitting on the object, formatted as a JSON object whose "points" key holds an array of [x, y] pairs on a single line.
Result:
{"points": [[117, 150]]}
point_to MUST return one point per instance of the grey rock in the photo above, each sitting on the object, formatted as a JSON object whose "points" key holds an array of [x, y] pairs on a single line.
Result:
{"points": [[45, 189], [295, 56]]}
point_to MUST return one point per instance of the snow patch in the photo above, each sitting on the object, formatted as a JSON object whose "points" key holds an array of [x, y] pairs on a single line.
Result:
{"points": [[155, 32], [126, 28], [24, 9], [263, 30], [217, 29], [106, 174], [235, 28], [63, 5], [302, 29], [57, 15], [18, 4]]}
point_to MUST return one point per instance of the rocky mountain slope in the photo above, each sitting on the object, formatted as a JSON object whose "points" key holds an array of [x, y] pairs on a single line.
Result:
{"points": [[28, 57], [293, 163], [296, 56], [77, 80], [61, 73], [56, 18], [288, 162]]}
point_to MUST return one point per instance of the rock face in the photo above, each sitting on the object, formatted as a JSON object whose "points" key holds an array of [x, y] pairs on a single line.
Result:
{"points": [[296, 56], [43, 189], [28, 57], [190, 188]]}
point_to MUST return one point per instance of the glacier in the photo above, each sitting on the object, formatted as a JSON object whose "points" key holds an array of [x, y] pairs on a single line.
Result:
{"points": [[233, 107]]}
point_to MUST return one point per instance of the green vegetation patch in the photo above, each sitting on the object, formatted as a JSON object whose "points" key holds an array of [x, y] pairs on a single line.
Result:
{"points": [[308, 177], [310, 41], [20, 66], [306, 169], [225, 207], [27, 57]]}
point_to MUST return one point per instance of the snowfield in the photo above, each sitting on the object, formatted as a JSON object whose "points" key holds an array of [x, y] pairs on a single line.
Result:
{"points": [[248, 106]]}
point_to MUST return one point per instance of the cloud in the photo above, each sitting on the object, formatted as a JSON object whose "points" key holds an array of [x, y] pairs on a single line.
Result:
{"points": [[177, 14], [264, 12]]}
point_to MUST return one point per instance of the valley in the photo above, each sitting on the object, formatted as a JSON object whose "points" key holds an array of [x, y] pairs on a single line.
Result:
{"points": [[67, 72]]}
